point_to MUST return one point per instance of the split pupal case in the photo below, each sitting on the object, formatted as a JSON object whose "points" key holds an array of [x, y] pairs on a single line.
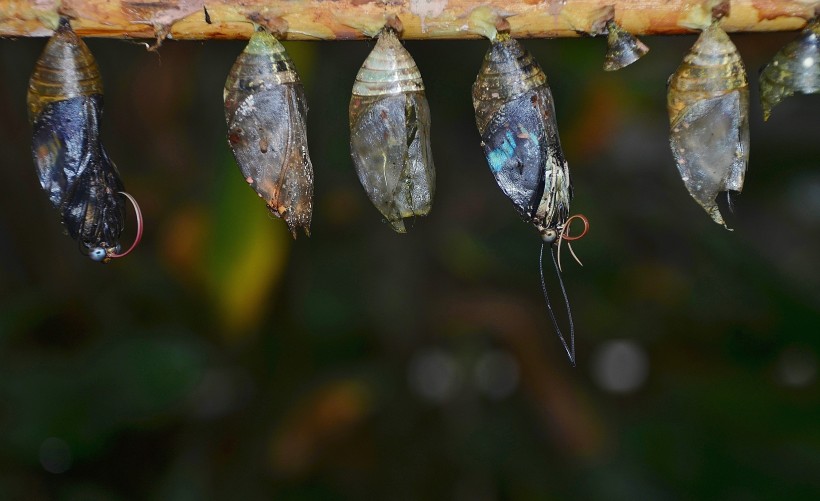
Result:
{"points": [[390, 133], [265, 110], [708, 103], [65, 103], [515, 116], [623, 48], [795, 69]]}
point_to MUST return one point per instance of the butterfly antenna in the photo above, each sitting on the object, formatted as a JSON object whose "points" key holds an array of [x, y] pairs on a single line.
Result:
{"points": [[570, 349]]}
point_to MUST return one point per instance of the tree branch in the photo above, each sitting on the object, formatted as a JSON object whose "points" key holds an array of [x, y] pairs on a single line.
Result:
{"points": [[353, 19]]}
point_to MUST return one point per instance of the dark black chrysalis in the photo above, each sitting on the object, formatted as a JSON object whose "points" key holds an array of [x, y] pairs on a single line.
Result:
{"points": [[265, 109], [515, 116], [65, 102]]}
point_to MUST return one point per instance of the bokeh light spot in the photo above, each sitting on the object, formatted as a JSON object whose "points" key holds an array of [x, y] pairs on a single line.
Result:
{"points": [[496, 374], [55, 455], [433, 375], [797, 366], [620, 366]]}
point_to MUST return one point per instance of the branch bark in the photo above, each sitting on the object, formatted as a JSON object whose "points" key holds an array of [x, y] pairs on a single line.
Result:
{"points": [[356, 19]]}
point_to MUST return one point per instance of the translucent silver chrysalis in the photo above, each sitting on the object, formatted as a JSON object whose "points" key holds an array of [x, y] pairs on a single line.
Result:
{"points": [[708, 103], [265, 109], [390, 133], [795, 69], [623, 48]]}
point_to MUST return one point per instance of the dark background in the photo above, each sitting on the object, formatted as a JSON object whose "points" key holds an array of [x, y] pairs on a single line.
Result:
{"points": [[224, 360]]}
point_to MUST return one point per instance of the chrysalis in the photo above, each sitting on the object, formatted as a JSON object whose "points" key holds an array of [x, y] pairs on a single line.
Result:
{"points": [[390, 132], [65, 103], [623, 48], [515, 116], [265, 110], [794, 69], [708, 102]]}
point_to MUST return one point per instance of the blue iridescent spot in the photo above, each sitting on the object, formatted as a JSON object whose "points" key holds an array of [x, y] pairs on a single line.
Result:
{"points": [[498, 157], [528, 134]]}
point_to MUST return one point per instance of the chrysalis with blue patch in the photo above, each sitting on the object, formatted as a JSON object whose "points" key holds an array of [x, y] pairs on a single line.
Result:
{"points": [[65, 103], [515, 116]]}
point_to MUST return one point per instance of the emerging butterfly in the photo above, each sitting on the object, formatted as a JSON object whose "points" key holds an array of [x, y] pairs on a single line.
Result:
{"points": [[515, 116], [65, 105]]}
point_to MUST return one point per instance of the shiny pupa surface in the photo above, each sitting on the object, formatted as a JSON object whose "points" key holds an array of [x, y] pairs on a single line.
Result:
{"points": [[65, 103], [795, 69], [390, 133], [515, 116], [623, 48], [708, 104], [265, 110]]}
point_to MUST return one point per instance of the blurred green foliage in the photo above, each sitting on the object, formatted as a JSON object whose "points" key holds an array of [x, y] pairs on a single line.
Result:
{"points": [[222, 360]]}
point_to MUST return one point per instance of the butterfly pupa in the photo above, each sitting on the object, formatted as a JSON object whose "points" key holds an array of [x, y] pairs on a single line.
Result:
{"points": [[623, 48], [795, 69], [265, 110], [390, 132], [515, 115], [65, 104], [708, 104]]}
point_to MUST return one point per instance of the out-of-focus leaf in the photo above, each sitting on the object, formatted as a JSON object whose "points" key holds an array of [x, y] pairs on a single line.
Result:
{"points": [[85, 399], [184, 240], [593, 125], [246, 253], [321, 418]]}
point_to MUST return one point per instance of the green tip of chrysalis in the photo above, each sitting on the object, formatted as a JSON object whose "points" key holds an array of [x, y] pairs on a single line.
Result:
{"points": [[262, 42], [487, 23]]}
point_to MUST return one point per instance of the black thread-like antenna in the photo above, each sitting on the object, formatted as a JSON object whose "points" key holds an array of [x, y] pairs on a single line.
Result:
{"points": [[570, 349]]}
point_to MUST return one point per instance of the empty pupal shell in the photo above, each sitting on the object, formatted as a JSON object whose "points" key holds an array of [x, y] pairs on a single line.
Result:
{"points": [[390, 133], [515, 116], [708, 103], [623, 48], [265, 110], [795, 69], [65, 105]]}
